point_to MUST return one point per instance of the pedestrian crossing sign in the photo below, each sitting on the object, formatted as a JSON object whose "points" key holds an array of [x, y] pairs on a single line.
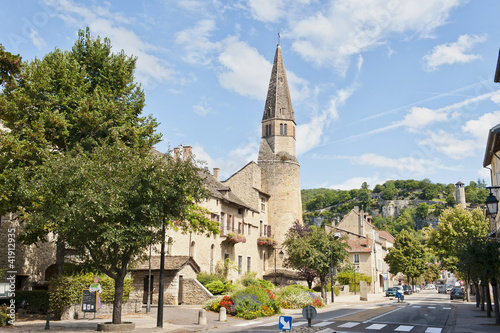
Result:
{"points": [[285, 323]]}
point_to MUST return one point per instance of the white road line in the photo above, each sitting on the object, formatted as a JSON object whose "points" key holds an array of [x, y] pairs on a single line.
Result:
{"points": [[446, 308], [383, 314], [270, 324], [376, 327], [417, 306], [433, 330], [432, 307], [248, 324], [349, 324], [404, 328], [300, 323], [323, 323]]}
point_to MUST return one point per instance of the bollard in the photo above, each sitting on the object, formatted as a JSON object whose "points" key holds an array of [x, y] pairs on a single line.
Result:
{"points": [[47, 324], [202, 317], [222, 314]]}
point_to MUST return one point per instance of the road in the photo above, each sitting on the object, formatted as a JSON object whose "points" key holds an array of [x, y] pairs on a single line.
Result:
{"points": [[426, 311]]}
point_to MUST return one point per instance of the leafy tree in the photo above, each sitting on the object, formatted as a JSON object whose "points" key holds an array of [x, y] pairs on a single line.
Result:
{"points": [[429, 191], [109, 205], [450, 200], [431, 273], [407, 256], [457, 228], [310, 250], [422, 211], [378, 188], [10, 67], [404, 221]]}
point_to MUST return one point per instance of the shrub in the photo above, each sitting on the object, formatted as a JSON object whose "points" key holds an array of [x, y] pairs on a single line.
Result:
{"points": [[37, 301], [67, 290], [205, 278], [296, 297], [218, 287], [4, 315], [212, 304]]}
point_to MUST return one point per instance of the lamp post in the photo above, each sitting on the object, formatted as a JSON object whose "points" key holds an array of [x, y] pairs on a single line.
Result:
{"points": [[281, 254], [336, 236], [492, 207]]}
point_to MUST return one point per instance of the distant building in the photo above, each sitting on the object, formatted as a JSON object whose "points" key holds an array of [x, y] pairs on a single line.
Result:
{"points": [[460, 194], [369, 246]]}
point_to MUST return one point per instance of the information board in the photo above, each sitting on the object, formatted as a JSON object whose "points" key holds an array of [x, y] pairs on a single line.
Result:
{"points": [[88, 301]]}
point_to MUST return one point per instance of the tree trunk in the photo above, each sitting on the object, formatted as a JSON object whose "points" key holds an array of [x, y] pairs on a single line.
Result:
{"points": [[488, 299], [60, 254], [483, 295], [323, 289], [494, 286], [309, 283], [117, 303]]}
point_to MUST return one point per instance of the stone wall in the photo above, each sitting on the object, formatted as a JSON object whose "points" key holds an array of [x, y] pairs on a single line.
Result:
{"points": [[75, 311], [195, 293]]}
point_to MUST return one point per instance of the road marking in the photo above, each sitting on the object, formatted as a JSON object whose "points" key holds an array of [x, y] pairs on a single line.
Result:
{"points": [[323, 323], [270, 324], [446, 308], [248, 324], [300, 323], [416, 306], [404, 328], [433, 330], [376, 327], [432, 307], [350, 324]]}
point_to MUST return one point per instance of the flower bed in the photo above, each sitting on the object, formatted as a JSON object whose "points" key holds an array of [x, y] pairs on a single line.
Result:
{"points": [[295, 297], [249, 303], [236, 238], [266, 241]]}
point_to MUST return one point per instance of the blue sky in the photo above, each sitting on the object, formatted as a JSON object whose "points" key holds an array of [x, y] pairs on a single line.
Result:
{"points": [[381, 89]]}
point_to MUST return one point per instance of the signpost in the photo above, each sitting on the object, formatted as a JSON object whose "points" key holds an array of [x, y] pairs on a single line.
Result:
{"points": [[89, 301], [309, 312], [399, 296], [285, 323]]}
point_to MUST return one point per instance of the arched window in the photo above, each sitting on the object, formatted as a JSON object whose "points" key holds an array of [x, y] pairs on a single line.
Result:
{"points": [[212, 249], [281, 129], [170, 244], [191, 249], [285, 131]]}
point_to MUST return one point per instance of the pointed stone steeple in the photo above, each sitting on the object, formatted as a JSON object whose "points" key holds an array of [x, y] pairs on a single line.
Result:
{"points": [[278, 120]]}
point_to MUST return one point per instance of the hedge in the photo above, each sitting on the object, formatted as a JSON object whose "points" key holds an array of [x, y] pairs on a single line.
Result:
{"points": [[67, 290]]}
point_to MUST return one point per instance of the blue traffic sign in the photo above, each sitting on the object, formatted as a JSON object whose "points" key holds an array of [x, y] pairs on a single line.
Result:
{"points": [[398, 294], [285, 323]]}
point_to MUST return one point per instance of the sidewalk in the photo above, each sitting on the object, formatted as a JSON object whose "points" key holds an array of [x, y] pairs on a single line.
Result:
{"points": [[464, 318]]}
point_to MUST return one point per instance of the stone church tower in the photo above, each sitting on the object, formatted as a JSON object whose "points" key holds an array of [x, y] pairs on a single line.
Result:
{"points": [[277, 154], [460, 194]]}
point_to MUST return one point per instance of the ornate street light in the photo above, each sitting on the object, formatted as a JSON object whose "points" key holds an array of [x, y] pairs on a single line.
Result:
{"points": [[492, 204]]}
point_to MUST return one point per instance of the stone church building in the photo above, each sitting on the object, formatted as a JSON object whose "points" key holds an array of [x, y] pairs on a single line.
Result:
{"points": [[255, 207]]}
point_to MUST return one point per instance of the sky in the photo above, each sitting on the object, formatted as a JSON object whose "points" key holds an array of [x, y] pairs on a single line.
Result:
{"points": [[381, 89]]}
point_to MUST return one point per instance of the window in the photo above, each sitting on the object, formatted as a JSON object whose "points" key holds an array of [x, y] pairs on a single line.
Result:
{"points": [[267, 130], [285, 131], [212, 249], [249, 264], [226, 256], [240, 230], [262, 205], [356, 258], [281, 129], [240, 263], [260, 230]]}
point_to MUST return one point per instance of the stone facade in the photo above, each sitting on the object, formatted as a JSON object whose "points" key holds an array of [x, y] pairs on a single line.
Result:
{"points": [[369, 246]]}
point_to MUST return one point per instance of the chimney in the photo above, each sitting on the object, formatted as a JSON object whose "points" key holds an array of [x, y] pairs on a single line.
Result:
{"points": [[187, 152], [216, 173], [177, 154], [361, 223]]}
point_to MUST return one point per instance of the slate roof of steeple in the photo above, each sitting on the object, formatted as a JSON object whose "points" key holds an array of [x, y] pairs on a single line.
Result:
{"points": [[278, 93]]}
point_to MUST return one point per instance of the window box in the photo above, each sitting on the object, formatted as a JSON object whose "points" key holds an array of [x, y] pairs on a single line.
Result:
{"points": [[266, 241]]}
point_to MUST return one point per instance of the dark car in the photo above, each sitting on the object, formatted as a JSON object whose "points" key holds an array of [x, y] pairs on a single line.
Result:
{"points": [[407, 290], [391, 292], [457, 292]]}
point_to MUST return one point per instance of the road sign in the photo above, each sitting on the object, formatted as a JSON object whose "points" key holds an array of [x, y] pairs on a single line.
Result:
{"points": [[285, 323], [398, 294], [309, 312]]}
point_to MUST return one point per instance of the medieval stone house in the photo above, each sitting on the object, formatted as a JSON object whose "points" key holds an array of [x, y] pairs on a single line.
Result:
{"points": [[255, 207]]}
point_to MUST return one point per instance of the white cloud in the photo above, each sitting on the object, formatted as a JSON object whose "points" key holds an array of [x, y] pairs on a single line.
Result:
{"points": [[451, 53], [149, 68], [346, 28], [480, 127], [309, 135], [37, 40], [196, 42], [202, 108], [265, 10], [419, 117], [448, 144], [406, 164], [356, 182]]}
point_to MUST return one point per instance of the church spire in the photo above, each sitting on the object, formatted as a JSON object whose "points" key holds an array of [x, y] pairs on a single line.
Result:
{"points": [[278, 101]]}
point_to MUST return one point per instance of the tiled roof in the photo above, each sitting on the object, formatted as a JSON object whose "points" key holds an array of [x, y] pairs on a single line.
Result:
{"points": [[172, 263], [221, 191], [361, 244], [386, 235]]}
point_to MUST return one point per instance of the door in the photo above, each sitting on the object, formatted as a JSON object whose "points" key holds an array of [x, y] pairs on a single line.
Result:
{"points": [[145, 295]]}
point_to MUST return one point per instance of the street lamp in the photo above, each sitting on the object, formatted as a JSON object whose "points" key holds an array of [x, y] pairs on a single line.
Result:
{"points": [[281, 254], [492, 203], [336, 236]]}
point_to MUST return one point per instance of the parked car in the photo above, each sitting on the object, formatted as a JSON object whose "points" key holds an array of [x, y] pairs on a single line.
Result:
{"points": [[441, 288], [407, 290], [391, 292], [417, 288], [449, 288], [400, 289], [430, 286], [457, 292]]}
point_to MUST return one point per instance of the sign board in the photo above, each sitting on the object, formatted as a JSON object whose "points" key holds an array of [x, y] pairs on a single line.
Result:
{"points": [[309, 312], [398, 294], [89, 301], [285, 323]]}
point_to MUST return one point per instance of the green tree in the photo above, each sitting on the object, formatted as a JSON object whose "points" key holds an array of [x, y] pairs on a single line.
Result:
{"points": [[407, 256], [109, 205], [10, 67], [431, 273], [450, 200], [457, 227], [311, 249], [422, 211]]}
